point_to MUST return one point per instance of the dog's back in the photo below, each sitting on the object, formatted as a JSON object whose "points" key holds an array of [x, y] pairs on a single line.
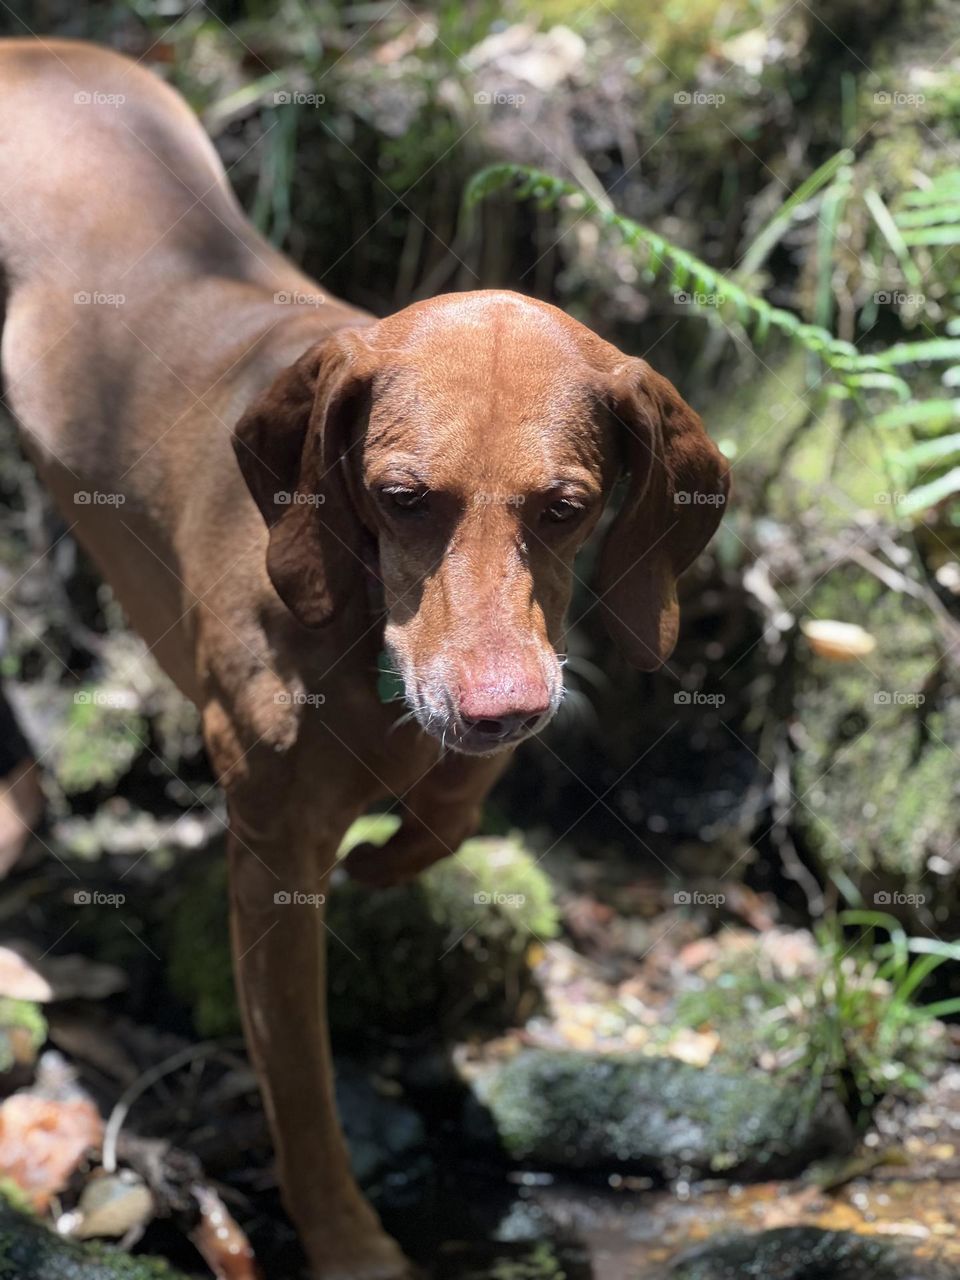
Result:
{"points": [[139, 316], [96, 134]]}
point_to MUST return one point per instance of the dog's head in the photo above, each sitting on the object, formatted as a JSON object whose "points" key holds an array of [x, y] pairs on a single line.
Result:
{"points": [[465, 448]]}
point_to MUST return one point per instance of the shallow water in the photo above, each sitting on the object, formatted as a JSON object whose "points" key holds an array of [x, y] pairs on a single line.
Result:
{"points": [[631, 1232]]}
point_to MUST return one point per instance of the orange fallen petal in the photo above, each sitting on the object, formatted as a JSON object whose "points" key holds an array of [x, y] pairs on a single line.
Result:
{"points": [[42, 1142]]}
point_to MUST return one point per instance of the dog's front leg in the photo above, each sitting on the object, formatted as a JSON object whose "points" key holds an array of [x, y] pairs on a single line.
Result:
{"points": [[277, 887], [437, 814]]}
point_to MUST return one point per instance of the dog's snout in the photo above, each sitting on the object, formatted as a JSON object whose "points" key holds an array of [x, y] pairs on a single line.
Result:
{"points": [[497, 708], [502, 728], [503, 699]]}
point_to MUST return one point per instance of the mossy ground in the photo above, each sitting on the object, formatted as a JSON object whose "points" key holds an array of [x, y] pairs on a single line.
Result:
{"points": [[29, 1251], [876, 771]]}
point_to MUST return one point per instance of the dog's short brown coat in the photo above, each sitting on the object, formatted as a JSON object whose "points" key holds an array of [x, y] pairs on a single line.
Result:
{"points": [[268, 470]]}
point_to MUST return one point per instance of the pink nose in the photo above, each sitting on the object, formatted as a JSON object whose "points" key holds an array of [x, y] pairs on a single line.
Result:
{"points": [[500, 707]]}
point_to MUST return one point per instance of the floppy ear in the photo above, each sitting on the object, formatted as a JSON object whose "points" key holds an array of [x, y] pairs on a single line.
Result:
{"points": [[290, 445], [678, 487]]}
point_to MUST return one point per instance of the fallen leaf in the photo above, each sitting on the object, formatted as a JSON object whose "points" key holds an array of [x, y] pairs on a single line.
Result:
{"points": [[113, 1205], [42, 1142], [839, 641], [27, 975], [19, 979], [695, 1048], [220, 1241]]}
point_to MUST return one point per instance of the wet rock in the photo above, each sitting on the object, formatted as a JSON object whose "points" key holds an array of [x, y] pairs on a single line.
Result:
{"points": [[803, 1253], [28, 1251], [585, 1111], [386, 1138]]}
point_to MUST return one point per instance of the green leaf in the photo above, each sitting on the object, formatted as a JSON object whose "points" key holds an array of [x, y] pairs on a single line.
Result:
{"points": [[934, 947], [928, 495], [930, 216], [926, 452], [915, 977], [944, 188], [881, 382], [932, 235], [927, 413], [833, 203], [888, 229], [766, 238], [917, 352], [853, 373], [939, 1009]]}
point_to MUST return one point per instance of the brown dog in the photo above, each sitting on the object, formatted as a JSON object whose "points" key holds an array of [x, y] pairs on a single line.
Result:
{"points": [[422, 482]]}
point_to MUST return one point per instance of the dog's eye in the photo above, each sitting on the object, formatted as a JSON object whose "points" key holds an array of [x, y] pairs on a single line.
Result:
{"points": [[401, 499], [561, 511]]}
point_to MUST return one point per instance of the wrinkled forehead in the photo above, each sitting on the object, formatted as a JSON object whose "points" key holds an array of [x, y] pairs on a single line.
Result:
{"points": [[476, 390]]}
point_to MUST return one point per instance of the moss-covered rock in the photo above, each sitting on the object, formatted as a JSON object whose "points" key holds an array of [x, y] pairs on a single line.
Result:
{"points": [[802, 1253], [877, 764], [586, 1111], [454, 942], [29, 1251], [784, 455]]}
